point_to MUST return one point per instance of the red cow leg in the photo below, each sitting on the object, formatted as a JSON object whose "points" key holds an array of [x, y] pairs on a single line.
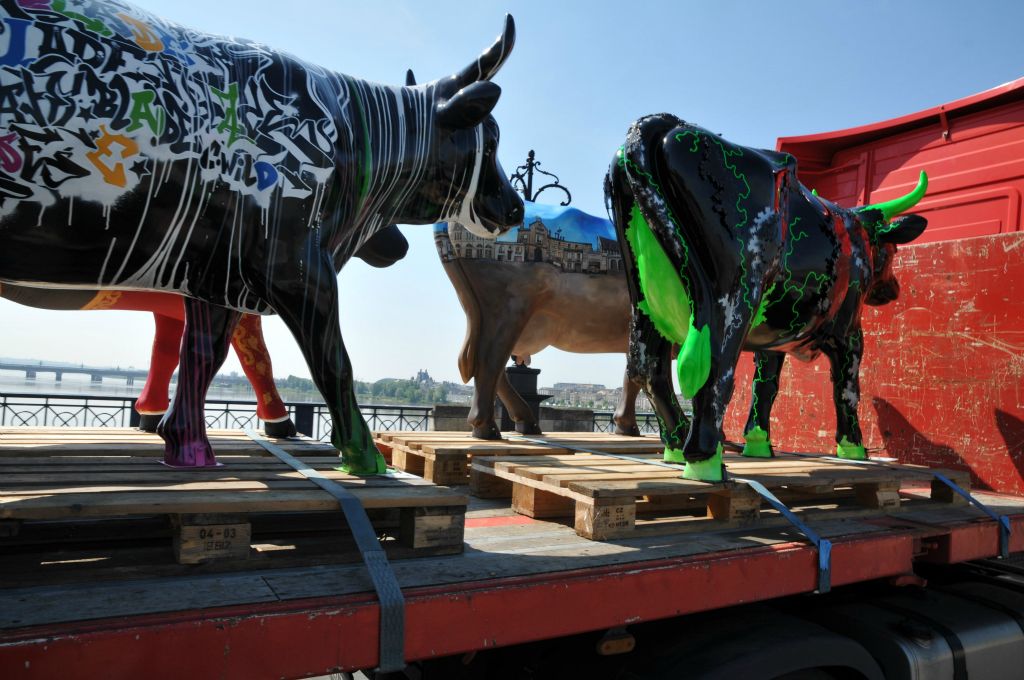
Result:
{"points": [[153, 402], [255, 359]]}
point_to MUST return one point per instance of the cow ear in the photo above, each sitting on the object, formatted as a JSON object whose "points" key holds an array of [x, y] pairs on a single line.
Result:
{"points": [[410, 78], [901, 230], [469, 106], [384, 248]]}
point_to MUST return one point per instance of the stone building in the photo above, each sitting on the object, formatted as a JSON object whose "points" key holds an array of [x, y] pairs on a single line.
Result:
{"points": [[534, 243]]}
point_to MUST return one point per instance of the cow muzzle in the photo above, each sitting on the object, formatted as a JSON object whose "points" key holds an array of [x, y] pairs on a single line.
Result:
{"points": [[883, 293]]}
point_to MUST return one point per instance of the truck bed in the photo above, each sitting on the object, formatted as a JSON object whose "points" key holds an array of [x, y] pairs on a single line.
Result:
{"points": [[517, 579]]}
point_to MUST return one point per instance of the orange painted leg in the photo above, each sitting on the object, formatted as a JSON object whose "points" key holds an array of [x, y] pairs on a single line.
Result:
{"points": [[255, 359], [153, 402]]}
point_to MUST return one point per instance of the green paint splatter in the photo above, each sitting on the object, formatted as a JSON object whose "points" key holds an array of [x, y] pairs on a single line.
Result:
{"points": [[762, 308], [91, 24], [364, 187], [667, 303]]}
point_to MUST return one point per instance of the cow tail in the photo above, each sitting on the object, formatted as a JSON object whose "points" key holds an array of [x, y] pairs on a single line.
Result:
{"points": [[643, 149]]}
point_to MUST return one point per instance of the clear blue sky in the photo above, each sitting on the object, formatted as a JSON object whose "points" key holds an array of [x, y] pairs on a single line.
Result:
{"points": [[580, 73]]}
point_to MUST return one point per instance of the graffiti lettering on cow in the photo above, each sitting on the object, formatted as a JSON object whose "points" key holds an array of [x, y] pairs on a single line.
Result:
{"points": [[16, 30], [143, 110], [105, 147], [106, 72], [143, 34], [10, 159], [230, 121]]}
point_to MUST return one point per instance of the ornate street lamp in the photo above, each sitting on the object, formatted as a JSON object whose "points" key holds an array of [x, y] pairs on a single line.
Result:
{"points": [[522, 180]]}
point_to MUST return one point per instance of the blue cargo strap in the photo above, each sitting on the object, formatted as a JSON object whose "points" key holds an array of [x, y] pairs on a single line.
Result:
{"points": [[823, 545], [389, 594], [1001, 520]]}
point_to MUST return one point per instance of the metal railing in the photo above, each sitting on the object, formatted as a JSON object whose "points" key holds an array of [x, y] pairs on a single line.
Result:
{"points": [[604, 422], [312, 419]]}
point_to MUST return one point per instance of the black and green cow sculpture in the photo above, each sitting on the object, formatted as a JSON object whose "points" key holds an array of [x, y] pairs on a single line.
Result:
{"points": [[728, 251]]}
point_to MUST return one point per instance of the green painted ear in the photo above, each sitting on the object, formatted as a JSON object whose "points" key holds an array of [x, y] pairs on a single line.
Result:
{"points": [[901, 230]]}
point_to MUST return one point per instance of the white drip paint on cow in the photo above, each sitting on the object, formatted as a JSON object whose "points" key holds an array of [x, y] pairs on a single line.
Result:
{"points": [[467, 214]]}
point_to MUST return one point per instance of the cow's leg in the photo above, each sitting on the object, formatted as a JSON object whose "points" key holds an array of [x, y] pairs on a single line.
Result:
{"points": [[757, 433], [251, 350], [153, 401], [517, 407], [844, 358], [649, 363], [311, 314], [499, 331], [723, 324], [625, 412], [204, 346]]}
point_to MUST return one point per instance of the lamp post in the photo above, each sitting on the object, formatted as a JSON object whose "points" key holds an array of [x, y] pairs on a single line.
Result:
{"points": [[522, 180]]}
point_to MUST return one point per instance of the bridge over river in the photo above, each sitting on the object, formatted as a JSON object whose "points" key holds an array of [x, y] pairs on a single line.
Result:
{"points": [[96, 374]]}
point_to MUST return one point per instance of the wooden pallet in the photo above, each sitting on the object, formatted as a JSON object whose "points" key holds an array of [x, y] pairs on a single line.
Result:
{"points": [[445, 457], [606, 495], [62, 487]]}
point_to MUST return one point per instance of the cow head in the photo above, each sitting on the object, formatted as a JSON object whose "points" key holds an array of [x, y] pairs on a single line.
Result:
{"points": [[885, 233], [467, 183]]}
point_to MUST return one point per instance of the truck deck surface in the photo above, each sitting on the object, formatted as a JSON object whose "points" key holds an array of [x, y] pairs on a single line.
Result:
{"points": [[517, 579]]}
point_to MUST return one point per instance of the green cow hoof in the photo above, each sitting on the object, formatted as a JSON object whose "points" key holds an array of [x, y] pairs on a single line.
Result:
{"points": [[674, 456], [757, 445], [362, 464], [710, 470], [850, 451]]}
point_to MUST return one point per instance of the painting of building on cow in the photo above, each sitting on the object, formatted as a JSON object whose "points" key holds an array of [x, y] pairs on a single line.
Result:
{"points": [[567, 238]]}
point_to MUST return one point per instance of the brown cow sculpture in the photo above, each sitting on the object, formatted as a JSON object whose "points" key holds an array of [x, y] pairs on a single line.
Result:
{"points": [[557, 281], [136, 154]]}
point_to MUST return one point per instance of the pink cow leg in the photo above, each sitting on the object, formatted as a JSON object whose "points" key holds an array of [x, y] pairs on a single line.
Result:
{"points": [[153, 402], [208, 331], [252, 352]]}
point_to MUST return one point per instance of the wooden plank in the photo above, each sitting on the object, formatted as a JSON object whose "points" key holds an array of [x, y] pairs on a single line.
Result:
{"points": [[156, 502]]}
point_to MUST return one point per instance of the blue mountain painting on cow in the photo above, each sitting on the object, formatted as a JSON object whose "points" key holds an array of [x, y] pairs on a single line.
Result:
{"points": [[566, 237]]}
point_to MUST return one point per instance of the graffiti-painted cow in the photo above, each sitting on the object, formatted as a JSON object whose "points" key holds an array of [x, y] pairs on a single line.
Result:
{"points": [[557, 281], [728, 251], [140, 155], [384, 249]]}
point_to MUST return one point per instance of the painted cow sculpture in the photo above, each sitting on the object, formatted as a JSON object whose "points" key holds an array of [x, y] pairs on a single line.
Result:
{"points": [[140, 155], [169, 323], [384, 249], [727, 251], [557, 281]]}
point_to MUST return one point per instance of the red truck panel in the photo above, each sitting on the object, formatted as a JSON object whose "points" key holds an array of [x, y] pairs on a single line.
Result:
{"points": [[944, 365], [942, 380], [972, 149]]}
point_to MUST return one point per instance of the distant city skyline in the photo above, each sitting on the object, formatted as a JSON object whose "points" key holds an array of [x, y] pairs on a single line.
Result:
{"points": [[579, 74]]}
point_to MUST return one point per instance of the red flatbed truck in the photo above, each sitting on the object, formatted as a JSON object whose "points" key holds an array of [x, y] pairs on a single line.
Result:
{"points": [[530, 598]]}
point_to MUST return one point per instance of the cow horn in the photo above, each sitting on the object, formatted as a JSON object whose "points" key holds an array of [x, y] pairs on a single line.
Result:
{"points": [[410, 78], [902, 204], [488, 63]]}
